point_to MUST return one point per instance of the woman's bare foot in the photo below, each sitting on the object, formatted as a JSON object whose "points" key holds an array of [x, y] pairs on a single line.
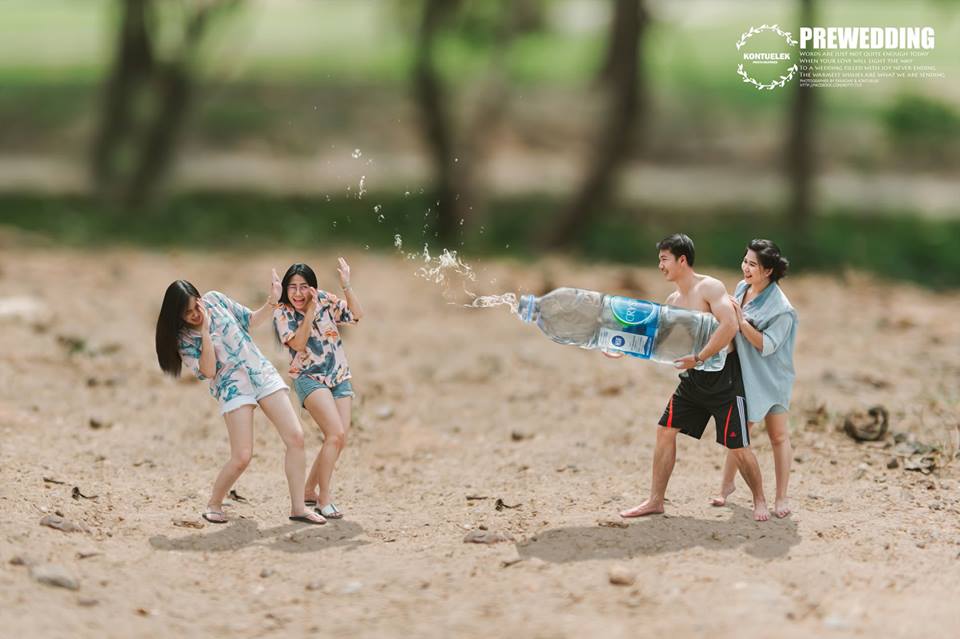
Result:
{"points": [[781, 507], [725, 491], [760, 512], [649, 507]]}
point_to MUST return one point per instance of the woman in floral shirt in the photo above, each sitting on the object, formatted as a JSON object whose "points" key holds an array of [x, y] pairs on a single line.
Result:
{"points": [[306, 321], [210, 335]]}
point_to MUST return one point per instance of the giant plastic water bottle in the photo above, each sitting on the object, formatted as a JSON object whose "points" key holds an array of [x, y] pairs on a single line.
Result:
{"points": [[614, 324]]}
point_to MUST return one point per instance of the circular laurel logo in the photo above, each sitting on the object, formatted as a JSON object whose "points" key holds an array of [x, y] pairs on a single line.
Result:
{"points": [[767, 57]]}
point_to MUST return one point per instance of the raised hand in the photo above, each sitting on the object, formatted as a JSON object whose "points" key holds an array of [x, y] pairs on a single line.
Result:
{"points": [[274, 297], [204, 317], [312, 300], [343, 269]]}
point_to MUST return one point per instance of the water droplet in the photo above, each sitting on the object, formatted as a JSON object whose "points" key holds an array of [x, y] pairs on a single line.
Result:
{"points": [[381, 218], [456, 159], [377, 208], [406, 193], [461, 221], [356, 154], [366, 247]]}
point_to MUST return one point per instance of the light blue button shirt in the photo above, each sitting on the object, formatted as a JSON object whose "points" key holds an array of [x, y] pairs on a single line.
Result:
{"points": [[768, 375]]}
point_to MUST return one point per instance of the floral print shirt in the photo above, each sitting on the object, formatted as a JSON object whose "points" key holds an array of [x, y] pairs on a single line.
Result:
{"points": [[241, 367], [323, 359]]}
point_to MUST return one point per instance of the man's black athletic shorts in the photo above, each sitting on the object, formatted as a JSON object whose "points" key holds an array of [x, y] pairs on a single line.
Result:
{"points": [[701, 395]]}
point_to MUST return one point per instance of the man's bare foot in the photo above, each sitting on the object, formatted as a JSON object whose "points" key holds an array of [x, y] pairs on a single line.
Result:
{"points": [[760, 512], [725, 491], [781, 507], [648, 507]]}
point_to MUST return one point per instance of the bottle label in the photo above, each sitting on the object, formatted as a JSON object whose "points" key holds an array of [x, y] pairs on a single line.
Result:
{"points": [[627, 343], [631, 312], [635, 329]]}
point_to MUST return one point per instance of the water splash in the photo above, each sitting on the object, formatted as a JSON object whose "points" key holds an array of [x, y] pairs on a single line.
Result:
{"points": [[356, 154], [447, 270], [363, 188], [491, 301]]}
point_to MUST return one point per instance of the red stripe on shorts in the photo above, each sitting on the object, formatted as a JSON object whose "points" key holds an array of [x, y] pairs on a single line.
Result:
{"points": [[727, 424], [670, 415]]}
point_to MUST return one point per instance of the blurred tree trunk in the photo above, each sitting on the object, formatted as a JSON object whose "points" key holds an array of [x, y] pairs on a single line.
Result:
{"points": [[458, 153], [434, 118], [492, 105], [622, 74], [132, 65], [801, 144], [145, 103]]}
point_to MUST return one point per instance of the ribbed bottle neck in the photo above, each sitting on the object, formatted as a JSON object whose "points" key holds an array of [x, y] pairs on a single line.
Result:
{"points": [[529, 308]]}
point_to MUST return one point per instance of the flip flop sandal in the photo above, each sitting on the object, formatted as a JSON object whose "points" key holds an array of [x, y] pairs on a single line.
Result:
{"points": [[215, 513], [304, 519], [330, 511]]}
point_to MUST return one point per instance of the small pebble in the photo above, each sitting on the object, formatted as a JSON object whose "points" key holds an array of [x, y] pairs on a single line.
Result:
{"points": [[621, 576], [54, 575]]}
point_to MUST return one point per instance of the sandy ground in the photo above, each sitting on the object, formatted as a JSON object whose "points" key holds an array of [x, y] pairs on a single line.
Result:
{"points": [[457, 403]]}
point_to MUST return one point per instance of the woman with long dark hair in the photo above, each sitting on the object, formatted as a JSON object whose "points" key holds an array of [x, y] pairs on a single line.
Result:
{"points": [[210, 335], [768, 332], [306, 322]]}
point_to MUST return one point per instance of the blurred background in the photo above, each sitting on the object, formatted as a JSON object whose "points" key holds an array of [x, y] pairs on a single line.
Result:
{"points": [[519, 128]]}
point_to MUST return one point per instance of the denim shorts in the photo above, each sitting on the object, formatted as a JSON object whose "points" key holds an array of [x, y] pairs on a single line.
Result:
{"points": [[304, 385], [273, 385]]}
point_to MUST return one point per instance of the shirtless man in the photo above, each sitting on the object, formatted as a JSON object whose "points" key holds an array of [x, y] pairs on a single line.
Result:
{"points": [[702, 394]]}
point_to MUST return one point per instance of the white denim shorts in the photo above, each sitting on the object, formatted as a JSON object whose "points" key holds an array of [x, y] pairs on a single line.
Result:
{"points": [[274, 385]]}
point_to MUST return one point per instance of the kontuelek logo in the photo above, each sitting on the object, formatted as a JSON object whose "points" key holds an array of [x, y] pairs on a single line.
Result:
{"points": [[769, 57]]}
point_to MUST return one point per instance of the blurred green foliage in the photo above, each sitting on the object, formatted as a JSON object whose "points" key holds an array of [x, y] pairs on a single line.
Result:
{"points": [[925, 251], [924, 129]]}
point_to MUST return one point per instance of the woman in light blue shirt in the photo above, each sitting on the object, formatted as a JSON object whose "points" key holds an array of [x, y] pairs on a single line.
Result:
{"points": [[768, 331]]}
